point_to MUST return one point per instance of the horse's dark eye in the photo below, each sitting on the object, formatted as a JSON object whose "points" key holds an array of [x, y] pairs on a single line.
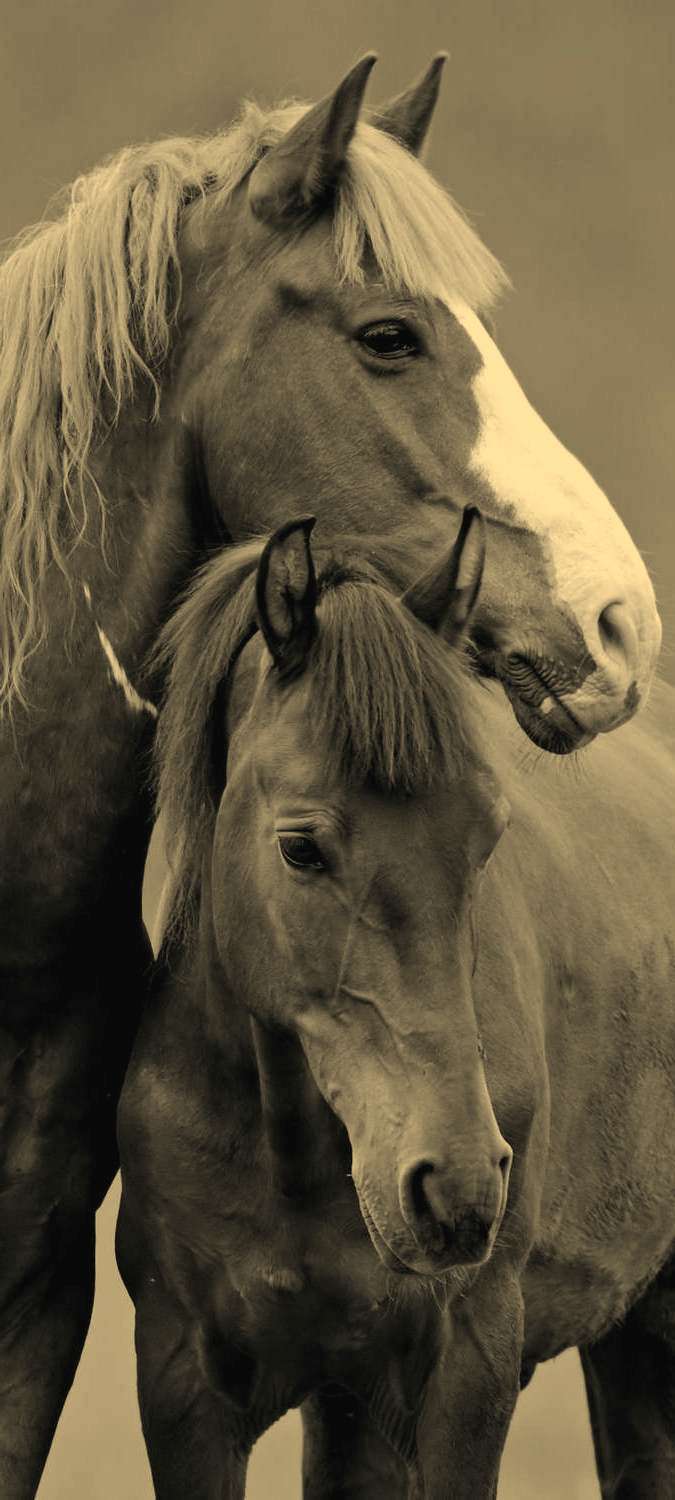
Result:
{"points": [[394, 340], [301, 852]]}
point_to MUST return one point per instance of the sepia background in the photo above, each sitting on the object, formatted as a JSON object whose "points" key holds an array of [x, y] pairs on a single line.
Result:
{"points": [[555, 132]]}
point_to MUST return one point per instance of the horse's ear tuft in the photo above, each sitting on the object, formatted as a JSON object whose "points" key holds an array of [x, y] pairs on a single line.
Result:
{"points": [[408, 116], [286, 595], [444, 598], [303, 168]]}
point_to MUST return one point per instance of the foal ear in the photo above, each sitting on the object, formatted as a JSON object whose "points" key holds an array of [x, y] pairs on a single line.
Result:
{"points": [[408, 116], [306, 164], [444, 598], [286, 595]]}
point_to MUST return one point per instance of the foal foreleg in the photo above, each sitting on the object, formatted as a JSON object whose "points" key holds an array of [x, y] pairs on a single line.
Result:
{"points": [[471, 1393], [191, 1446], [344, 1457]]}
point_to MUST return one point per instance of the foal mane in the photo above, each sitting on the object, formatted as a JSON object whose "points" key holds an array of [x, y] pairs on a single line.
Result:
{"points": [[88, 304], [384, 696]]}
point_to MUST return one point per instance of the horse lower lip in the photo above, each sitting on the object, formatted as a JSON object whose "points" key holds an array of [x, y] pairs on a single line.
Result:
{"points": [[392, 1261], [548, 732], [437, 1255], [557, 731]]}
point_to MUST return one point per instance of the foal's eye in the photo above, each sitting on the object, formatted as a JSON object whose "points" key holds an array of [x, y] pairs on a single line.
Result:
{"points": [[301, 852], [392, 340]]}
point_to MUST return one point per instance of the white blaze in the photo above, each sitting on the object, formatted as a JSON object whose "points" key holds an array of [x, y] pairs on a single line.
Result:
{"points": [[592, 560]]}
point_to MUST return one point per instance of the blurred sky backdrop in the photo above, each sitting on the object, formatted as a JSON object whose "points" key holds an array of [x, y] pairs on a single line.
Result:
{"points": [[555, 131]]}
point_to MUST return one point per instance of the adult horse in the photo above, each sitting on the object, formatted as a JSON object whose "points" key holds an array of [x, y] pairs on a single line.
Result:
{"points": [[291, 308], [399, 1121]]}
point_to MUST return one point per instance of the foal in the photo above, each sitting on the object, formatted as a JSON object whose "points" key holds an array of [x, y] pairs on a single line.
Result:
{"points": [[397, 1125], [287, 1107]]}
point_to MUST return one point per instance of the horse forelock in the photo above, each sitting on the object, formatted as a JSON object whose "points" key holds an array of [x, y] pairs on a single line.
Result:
{"points": [[386, 697], [390, 215], [387, 700], [88, 304]]}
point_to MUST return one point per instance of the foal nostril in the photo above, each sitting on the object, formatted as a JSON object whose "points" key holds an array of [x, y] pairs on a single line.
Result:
{"points": [[414, 1190], [424, 1213], [619, 641], [436, 1210]]}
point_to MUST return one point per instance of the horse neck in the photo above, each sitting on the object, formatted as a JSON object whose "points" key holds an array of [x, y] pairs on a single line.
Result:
{"points": [[90, 703], [305, 1141], [155, 529]]}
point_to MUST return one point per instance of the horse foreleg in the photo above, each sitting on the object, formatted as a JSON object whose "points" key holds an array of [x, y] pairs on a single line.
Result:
{"points": [[630, 1384], [187, 1429], [64, 1039], [45, 1304], [344, 1457], [471, 1393]]}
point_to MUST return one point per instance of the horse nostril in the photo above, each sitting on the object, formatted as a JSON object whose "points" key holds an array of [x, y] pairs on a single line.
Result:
{"points": [[436, 1210], [414, 1189], [423, 1214], [619, 638]]}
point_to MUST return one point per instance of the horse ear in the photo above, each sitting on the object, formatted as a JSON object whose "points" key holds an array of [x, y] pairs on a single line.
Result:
{"points": [[444, 598], [408, 116], [286, 595], [305, 165]]}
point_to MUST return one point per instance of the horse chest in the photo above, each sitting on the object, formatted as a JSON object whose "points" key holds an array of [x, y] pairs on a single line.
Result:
{"points": [[300, 1304], [303, 1290]]}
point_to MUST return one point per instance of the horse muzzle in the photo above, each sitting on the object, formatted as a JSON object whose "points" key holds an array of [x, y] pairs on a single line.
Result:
{"points": [[563, 705], [442, 1222]]}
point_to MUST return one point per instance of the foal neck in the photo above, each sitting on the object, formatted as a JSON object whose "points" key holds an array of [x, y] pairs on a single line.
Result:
{"points": [[307, 1145]]}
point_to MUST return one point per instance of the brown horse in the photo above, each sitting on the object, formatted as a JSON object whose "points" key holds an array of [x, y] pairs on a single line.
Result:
{"points": [[400, 1117], [293, 308]]}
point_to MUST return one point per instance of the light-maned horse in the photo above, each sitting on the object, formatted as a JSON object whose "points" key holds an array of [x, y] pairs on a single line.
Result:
{"points": [[400, 1118], [291, 308]]}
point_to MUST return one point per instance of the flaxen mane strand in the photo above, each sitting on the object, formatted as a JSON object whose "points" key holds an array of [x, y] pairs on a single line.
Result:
{"points": [[88, 303]]}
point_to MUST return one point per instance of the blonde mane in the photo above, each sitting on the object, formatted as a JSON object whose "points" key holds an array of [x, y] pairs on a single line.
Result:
{"points": [[88, 304]]}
